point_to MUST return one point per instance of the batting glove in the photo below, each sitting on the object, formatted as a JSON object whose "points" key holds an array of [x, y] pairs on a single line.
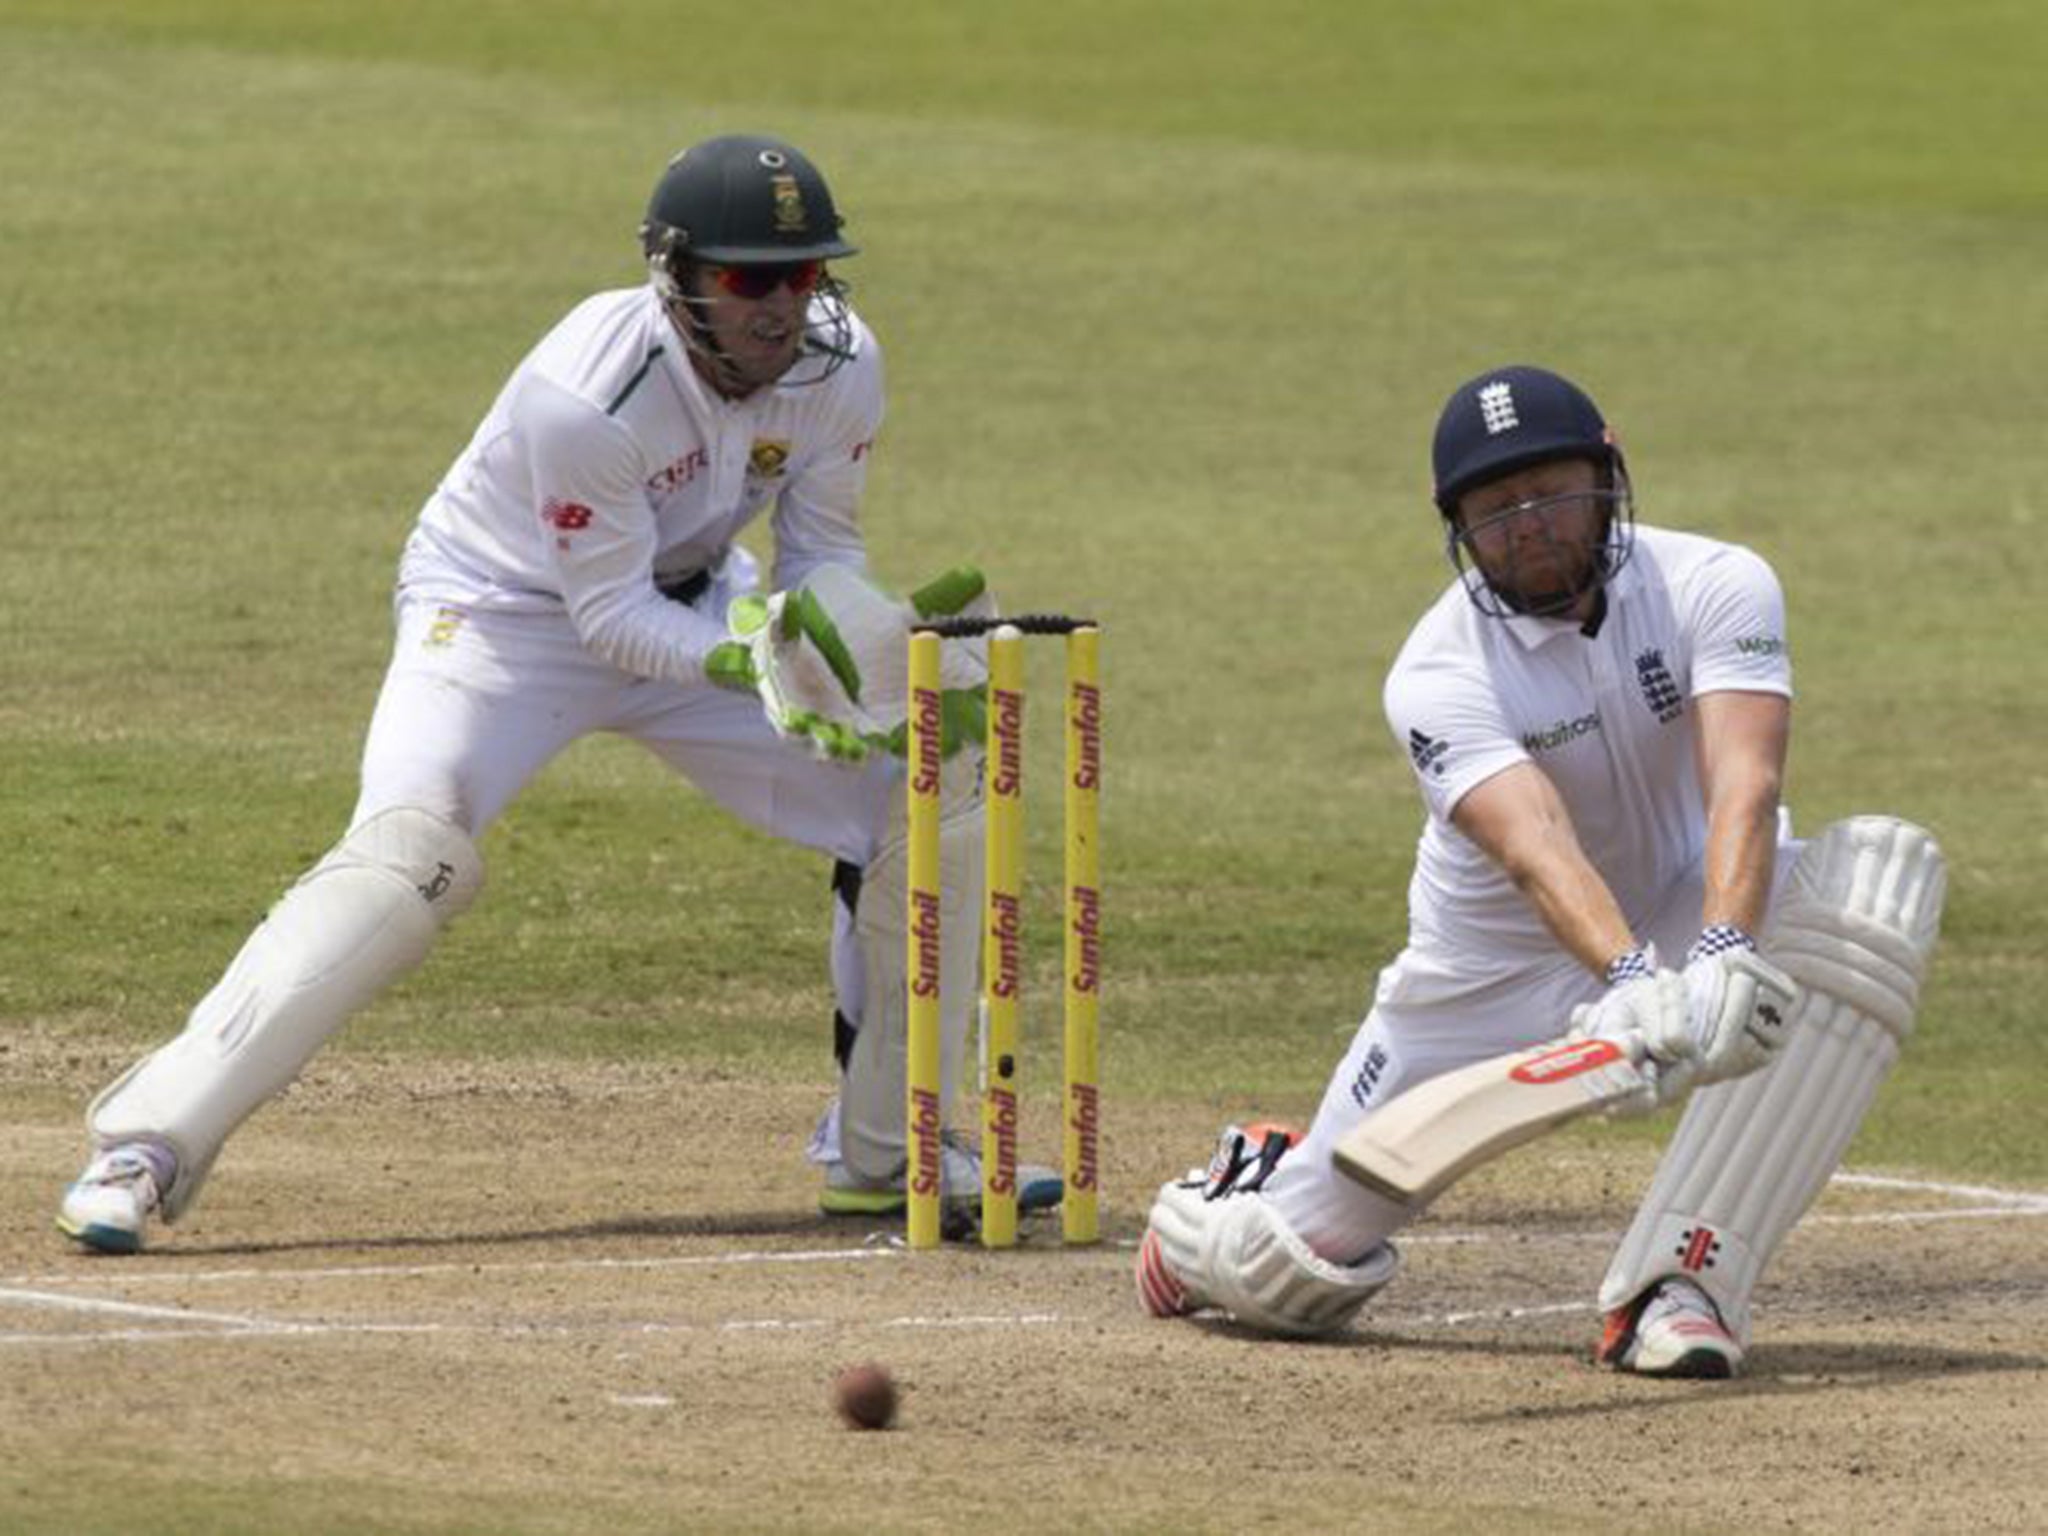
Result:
{"points": [[1739, 1005], [1644, 1010]]}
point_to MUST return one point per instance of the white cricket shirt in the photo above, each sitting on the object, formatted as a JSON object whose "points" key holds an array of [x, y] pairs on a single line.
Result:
{"points": [[606, 466], [1607, 717]]}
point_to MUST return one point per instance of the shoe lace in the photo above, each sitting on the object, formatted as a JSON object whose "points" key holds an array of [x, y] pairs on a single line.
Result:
{"points": [[127, 1165], [1679, 1298]]}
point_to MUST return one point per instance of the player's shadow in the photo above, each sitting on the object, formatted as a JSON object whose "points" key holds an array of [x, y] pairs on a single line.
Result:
{"points": [[718, 1224], [1778, 1370], [1786, 1370], [785, 1222], [1368, 1340]]}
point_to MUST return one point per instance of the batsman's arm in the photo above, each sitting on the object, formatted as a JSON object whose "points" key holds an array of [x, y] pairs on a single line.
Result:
{"points": [[1519, 820], [1740, 744]]}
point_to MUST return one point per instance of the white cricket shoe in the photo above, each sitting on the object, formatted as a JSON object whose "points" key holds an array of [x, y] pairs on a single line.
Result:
{"points": [[109, 1207], [1672, 1329]]}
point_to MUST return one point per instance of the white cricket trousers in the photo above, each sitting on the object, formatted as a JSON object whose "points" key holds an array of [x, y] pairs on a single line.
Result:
{"points": [[1425, 1021], [476, 703]]}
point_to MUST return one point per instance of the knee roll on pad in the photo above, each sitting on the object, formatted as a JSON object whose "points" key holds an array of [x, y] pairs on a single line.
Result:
{"points": [[1238, 1254], [1859, 917], [362, 917], [1855, 927]]}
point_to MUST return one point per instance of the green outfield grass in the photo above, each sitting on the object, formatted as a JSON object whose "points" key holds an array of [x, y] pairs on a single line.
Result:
{"points": [[1170, 296]]}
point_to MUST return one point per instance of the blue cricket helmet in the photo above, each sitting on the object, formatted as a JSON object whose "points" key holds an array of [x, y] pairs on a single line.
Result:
{"points": [[1508, 419]]}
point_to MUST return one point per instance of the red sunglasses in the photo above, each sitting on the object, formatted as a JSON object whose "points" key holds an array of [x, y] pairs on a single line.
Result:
{"points": [[759, 279]]}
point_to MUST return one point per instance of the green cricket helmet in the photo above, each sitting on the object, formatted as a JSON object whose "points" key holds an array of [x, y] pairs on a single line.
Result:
{"points": [[742, 200]]}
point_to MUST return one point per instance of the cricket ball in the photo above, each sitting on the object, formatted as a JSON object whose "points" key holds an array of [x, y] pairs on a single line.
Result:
{"points": [[866, 1396]]}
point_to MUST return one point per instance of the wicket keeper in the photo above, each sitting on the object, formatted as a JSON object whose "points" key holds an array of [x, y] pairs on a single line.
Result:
{"points": [[577, 571]]}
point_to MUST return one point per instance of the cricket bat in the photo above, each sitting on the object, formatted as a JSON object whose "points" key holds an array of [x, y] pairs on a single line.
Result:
{"points": [[1428, 1138]]}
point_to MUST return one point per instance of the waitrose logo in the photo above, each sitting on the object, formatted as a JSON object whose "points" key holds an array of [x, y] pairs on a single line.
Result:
{"points": [[1560, 733]]}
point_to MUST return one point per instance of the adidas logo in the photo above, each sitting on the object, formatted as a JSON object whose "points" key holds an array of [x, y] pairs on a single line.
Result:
{"points": [[1428, 752]]}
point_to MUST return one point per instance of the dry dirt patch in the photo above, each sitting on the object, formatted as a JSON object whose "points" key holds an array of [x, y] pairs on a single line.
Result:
{"points": [[564, 1297]]}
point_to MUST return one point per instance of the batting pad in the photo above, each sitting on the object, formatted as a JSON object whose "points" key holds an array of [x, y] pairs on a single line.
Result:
{"points": [[1239, 1255], [1855, 927], [362, 917]]}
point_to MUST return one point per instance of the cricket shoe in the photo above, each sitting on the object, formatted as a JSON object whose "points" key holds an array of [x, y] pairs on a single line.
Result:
{"points": [[109, 1207], [846, 1193], [1672, 1329]]}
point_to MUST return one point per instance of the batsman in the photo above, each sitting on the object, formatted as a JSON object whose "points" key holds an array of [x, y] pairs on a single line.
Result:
{"points": [[1598, 716], [578, 570]]}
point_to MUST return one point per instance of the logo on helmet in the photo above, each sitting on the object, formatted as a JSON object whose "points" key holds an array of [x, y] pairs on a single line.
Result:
{"points": [[790, 217], [1497, 408]]}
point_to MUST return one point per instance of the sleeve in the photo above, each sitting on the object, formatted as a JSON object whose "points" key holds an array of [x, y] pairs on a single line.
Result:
{"points": [[1447, 719], [817, 517], [1735, 611], [598, 535]]}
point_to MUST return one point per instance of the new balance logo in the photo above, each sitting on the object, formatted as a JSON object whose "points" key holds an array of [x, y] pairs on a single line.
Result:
{"points": [[1497, 408], [1427, 752], [1369, 1073]]}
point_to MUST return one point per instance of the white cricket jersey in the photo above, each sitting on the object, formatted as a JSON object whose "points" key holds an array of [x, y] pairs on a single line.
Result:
{"points": [[1608, 718], [606, 467]]}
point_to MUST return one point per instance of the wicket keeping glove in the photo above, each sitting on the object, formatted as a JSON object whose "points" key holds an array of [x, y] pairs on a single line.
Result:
{"points": [[827, 660]]}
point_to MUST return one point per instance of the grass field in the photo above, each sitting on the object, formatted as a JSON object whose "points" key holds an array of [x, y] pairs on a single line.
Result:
{"points": [[1171, 293]]}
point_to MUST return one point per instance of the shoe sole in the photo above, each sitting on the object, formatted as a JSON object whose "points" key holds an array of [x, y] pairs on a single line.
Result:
{"points": [[1701, 1365], [861, 1202], [1045, 1195], [1693, 1365], [101, 1239]]}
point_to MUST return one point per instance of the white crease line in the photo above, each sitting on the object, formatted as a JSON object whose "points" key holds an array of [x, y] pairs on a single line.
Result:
{"points": [[408, 1271], [1487, 1314], [1610, 1235], [127, 1308], [288, 1330], [1964, 1213], [2019, 1199], [267, 1332]]}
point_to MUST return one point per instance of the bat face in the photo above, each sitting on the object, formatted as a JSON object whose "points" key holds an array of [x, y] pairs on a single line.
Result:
{"points": [[1428, 1138]]}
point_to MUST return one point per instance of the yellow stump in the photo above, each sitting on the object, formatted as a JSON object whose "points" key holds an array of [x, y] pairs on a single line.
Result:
{"points": [[1002, 937], [1082, 1103], [922, 1108]]}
